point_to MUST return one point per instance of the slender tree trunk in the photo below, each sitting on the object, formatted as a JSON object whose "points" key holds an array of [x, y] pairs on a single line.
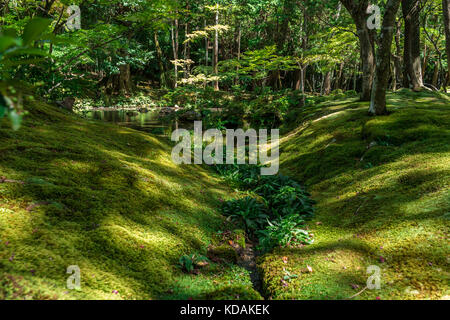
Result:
{"points": [[398, 56], [327, 83], [426, 54], [411, 58], [236, 82], [297, 82], [338, 82], [216, 53], [159, 54], [185, 52], [394, 78], [174, 34], [358, 11], [446, 11], [381, 81], [434, 81]]}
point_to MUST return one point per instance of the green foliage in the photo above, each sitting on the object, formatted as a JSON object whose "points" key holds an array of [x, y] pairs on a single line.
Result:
{"points": [[243, 176], [246, 211], [14, 52], [286, 231], [284, 196], [188, 262], [286, 206], [256, 65]]}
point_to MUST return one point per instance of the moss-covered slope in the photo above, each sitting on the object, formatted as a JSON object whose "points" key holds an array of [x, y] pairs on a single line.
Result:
{"points": [[109, 200], [382, 187]]}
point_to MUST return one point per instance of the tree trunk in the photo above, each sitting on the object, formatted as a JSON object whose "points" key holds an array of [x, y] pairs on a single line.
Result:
{"points": [[358, 11], [236, 82], [186, 52], [174, 35], [125, 79], [297, 81], [327, 83], [397, 57], [378, 99], [216, 54], [434, 81], [159, 53], [412, 64], [446, 11], [338, 82]]}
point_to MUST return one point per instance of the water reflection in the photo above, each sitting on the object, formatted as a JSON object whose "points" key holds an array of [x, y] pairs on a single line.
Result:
{"points": [[152, 121]]}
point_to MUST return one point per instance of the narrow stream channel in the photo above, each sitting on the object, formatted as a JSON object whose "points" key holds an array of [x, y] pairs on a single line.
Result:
{"points": [[157, 124]]}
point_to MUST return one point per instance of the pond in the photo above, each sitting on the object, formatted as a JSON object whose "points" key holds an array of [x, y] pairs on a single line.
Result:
{"points": [[152, 121]]}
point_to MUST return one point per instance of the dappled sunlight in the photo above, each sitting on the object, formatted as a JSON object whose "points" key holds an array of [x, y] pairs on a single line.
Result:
{"points": [[122, 210], [382, 193]]}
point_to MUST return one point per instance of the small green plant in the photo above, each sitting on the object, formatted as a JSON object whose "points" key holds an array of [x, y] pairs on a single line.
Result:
{"points": [[284, 196], [246, 211], [285, 231], [243, 176], [188, 262]]}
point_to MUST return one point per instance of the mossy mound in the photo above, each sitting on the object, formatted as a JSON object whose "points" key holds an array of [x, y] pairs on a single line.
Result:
{"points": [[224, 253], [382, 191], [234, 293], [107, 199]]}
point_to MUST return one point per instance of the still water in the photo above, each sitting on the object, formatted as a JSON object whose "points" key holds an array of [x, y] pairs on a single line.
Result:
{"points": [[152, 121]]}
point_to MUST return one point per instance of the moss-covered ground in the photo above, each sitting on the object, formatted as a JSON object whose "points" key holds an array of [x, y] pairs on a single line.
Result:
{"points": [[383, 198], [109, 200]]}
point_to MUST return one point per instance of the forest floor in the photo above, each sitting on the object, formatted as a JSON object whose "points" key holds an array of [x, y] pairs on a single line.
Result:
{"points": [[383, 198], [110, 200]]}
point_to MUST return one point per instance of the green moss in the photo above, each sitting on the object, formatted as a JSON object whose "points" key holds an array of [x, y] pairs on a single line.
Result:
{"points": [[105, 198], [381, 186], [239, 237], [223, 252], [234, 293]]}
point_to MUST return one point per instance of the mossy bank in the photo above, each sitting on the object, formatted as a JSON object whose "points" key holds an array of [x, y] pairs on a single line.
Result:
{"points": [[382, 191], [109, 200]]}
